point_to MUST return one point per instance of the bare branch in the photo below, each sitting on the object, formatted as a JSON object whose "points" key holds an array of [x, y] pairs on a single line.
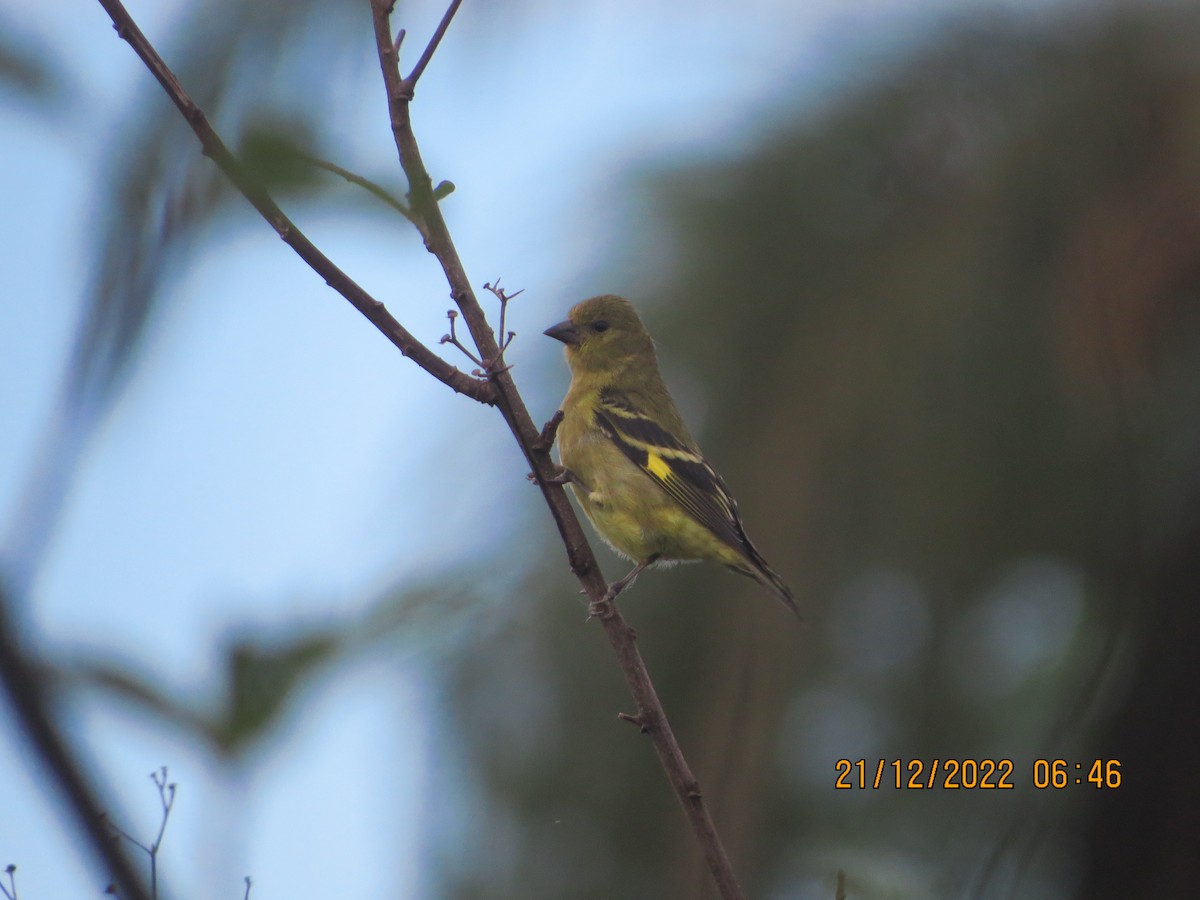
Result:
{"points": [[632, 720], [506, 337], [166, 798], [452, 339], [253, 191], [549, 431], [410, 82], [119, 832], [372, 188]]}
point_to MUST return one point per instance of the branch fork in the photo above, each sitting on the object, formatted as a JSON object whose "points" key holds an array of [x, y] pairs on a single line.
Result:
{"points": [[490, 366]]}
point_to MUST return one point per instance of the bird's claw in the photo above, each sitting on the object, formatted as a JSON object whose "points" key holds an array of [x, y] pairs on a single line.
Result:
{"points": [[601, 609], [562, 475]]}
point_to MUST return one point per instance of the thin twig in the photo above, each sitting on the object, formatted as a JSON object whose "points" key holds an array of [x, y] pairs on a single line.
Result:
{"points": [[246, 896], [120, 832], [549, 432], [166, 798], [10, 892], [452, 339], [410, 83], [506, 337], [373, 188], [632, 720]]}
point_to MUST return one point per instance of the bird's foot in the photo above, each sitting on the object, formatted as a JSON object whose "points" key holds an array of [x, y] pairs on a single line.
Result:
{"points": [[562, 475], [604, 608]]}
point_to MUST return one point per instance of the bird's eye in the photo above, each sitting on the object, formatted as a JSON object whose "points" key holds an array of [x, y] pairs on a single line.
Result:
{"points": [[600, 326]]}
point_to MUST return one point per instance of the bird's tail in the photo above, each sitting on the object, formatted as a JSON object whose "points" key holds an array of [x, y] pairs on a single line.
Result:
{"points": [[757, 568]]}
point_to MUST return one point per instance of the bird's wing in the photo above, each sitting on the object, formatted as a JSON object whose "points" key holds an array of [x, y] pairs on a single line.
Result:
{"points": [[677, 468]]}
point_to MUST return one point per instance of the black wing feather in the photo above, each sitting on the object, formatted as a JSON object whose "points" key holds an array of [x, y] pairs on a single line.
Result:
{"points": [[686, 477]]}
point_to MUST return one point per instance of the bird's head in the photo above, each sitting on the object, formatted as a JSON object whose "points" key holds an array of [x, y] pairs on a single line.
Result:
{"points": [[602, 333]]}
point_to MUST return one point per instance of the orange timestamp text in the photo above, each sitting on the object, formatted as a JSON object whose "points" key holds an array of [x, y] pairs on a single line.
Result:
{"points": [[972, 774], [921, 774]]}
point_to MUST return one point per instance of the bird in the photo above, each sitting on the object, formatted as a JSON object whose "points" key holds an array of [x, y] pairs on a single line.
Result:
{"points": [[628, 457]]}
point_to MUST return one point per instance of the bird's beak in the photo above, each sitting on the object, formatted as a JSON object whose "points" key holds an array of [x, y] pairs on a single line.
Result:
{"points": [[564, 331]]}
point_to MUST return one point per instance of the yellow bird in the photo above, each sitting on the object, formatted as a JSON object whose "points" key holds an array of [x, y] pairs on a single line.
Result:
{"points": [[629, 459]]}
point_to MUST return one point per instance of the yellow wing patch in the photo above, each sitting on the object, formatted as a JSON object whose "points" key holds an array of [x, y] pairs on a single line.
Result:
{"points": [[657, 466]]}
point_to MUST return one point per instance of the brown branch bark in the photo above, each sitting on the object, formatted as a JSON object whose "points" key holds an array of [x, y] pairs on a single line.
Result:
{"points": [[499, 390]]}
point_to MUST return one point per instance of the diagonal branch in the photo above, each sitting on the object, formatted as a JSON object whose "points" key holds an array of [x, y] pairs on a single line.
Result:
{"points": [[254, 191], [21, 673], [650, 715], [371, 187], [410, 83]]}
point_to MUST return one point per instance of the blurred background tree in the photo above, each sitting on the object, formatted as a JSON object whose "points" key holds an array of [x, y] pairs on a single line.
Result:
{"points": [[936, 325]]}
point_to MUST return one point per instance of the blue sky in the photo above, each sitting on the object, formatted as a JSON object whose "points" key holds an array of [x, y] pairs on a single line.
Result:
{"points": [[250, 473]]}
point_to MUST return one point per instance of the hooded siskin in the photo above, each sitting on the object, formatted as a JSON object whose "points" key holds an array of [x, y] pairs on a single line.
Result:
{"points": [[635, 469]]}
